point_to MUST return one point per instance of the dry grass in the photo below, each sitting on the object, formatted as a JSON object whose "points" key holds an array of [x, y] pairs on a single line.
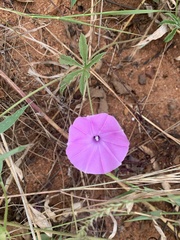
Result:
{"points": [[73, 203]]}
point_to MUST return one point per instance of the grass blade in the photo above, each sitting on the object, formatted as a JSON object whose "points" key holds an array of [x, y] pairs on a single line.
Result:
{"points": [[10, 153], [170, 36], [73, 2], [10, 120]]}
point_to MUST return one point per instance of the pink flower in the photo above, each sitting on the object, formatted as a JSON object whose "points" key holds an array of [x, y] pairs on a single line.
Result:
{"points": [[97, 144]]}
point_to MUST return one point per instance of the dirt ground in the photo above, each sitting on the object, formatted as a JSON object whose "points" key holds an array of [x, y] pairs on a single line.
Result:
{"points": [[147, 80]]}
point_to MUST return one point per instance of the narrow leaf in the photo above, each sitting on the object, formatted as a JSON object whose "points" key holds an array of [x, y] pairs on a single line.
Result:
{"points": [[68, 79], [45, 237], [170, 36], [162, 30], [174, 17], [95, 60], [10, 153], [83, 48], [2, 233], [140, 218], [67, 60], [41, 220], [170, 22], [10, 120], [82, 82], [73, 2]]}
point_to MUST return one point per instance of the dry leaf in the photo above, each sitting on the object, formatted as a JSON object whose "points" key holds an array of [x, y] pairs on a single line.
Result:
{"points": [[115, 226], [97, 92], [68, 211], [103, 106], [129, 207], [51, 215], [178, 58], [25, 1], [163, 237], [146, 150], [149, 7], [171, 4], [76, 206], [100, 93], [166, 185], [120, 87], [40, 220], [163, 29], [19, 172]]}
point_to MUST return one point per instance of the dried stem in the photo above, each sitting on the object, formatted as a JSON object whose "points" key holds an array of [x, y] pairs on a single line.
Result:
{"points": [[32, 104]]}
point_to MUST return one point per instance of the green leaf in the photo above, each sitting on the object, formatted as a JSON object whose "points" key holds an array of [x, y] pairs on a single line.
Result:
{"points": [[140, 218], [45, 237], [67, 60], [83, 48], [174, 17], [82, 82], [170, 36], [2, 233], [10, 120], [69, 78], [10, 153], [175, 199], [73, 2], [170, 22], [157, 213], [95, 60]]}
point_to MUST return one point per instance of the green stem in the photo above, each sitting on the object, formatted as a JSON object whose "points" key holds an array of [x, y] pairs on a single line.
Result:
{"points": [[123, 185], [6, 203], [112, 176], [27, 96], [90, 101]]}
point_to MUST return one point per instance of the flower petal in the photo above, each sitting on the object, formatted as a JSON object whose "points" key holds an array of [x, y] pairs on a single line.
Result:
{"points": [[97, 122], [76, 134], [83, 125], [116, 138], [88, 161], [96, 157]]}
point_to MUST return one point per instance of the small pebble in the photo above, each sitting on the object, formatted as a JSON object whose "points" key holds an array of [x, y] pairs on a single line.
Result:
{"points": [[142, 79]]}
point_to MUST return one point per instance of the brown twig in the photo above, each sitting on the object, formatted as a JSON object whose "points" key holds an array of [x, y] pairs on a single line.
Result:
{"points": [[33, 105]]}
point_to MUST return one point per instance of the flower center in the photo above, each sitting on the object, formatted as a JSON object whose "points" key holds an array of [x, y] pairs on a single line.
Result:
{"points": [[96, 138]]}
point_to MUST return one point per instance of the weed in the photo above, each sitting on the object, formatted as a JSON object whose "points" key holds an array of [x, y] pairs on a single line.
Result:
{"points": [[5, 125], [174, 23], [130, 191], [83, 71]]}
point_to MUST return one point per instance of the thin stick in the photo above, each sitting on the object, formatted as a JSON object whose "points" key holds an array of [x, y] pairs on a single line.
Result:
{"points": [[11, 166], [33, 105], [146, 204]]}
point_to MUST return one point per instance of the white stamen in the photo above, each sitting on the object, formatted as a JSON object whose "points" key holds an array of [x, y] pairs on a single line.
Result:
{"points": [[97, 138]]}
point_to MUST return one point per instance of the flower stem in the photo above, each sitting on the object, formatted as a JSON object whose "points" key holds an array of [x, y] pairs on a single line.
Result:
{"points": [[89, 96]]}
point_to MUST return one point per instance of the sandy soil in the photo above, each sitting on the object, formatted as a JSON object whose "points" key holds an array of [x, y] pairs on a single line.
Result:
{"points": [[147, 80]]}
